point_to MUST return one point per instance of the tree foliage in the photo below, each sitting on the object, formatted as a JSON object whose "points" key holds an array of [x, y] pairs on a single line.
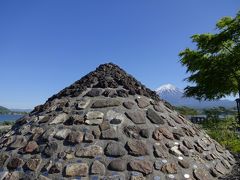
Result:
{"points": [[186, 110], [224, 131], [214, 65]]}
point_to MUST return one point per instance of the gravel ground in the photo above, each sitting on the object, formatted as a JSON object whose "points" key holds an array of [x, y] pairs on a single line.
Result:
{"points": [[235, 174]]}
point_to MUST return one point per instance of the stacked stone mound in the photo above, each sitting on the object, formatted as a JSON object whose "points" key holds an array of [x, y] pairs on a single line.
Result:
{"points": [[109, 126]]}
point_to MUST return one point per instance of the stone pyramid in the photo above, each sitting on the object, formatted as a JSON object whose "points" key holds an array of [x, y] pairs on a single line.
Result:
{"points": [[109, 126]]}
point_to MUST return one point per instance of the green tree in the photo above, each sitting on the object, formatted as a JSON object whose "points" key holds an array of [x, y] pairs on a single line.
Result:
{"points": [[186, 110], [214, 65], [212, 113]]}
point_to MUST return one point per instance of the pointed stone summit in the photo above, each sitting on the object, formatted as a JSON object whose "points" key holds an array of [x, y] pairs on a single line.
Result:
{"points": [[108, 125]]}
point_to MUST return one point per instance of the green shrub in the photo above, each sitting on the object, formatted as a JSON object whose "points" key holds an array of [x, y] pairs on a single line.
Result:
{"points": [[7, 123], [224, 131]]}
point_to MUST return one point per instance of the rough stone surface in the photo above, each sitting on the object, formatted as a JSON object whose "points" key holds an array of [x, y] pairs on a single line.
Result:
{"points": [[109, 126], [113, 115], [169, 168], [51, 149], [144, 133], [109, 134], [98, 168], [160, 132], [117, 165], [105, 103], [188, 144], [30, 147], [19, 142], [56, 168], [90, 151], [142, 103], [83, 104], [14, 163], [160, 150], [33, 164], [76, 169], [132, 131], [59, 119], [183, 163], [94, 92], [137, 148], [142, 166], [75, 137], [137, 117], [154, 117], [88, 137], [114, 149], [105, 125], [94, 117], [175, 151], [62, 133], [3, 158], [200, 174], [128, 104]]}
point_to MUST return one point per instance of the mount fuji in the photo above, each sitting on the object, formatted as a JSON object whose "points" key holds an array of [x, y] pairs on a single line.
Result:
{"points": [[175, 95]]}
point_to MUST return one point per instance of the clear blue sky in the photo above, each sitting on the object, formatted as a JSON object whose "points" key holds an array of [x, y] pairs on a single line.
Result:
{"points": [[47, 45]]}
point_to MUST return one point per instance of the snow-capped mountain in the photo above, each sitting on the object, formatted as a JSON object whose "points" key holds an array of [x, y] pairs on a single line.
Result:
{"points": [[174, 95], [168, 89]]}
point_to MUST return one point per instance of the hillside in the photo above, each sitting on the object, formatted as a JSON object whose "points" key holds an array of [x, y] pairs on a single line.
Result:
{"points": [[4, 110]]}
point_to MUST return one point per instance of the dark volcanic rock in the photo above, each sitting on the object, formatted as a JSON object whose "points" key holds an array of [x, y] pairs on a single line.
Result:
{"points": [[162, 131], [143, 166], [110, 93], [183, 163], [169, 168], [160, 151], [102, 74], [128, 104], [51, 149], [30, 147], [132, 131], [56, 168], [94, 92], [200, 174], [105, 103], [142, 103], [144, 133], [75, 137], [14, 163], [137, 117], [109, 134], [3, 159], [117, 165], [76, 169], [19, 142], [33, 164], [122, 93], [154, 117], [98, 168], [115, 150], [89, 151], [137, 148]]}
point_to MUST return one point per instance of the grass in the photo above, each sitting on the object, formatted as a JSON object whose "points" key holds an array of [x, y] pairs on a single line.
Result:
{"points": [[7, 123], [224, 131]]}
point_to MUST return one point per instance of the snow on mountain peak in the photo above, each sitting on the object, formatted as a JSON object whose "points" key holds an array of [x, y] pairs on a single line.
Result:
{"points": [[167, 88]]}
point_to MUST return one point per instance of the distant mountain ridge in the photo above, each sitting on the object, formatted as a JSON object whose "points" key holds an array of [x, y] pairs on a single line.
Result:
{"points": [[174, 95], [4, 110]]}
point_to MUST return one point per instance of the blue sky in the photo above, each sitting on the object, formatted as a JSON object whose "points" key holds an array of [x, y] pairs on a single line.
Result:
{"points": [[47, 45]]}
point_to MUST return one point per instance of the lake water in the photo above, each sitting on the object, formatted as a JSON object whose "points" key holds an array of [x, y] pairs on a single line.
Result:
{"points": [[8, 117]]}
